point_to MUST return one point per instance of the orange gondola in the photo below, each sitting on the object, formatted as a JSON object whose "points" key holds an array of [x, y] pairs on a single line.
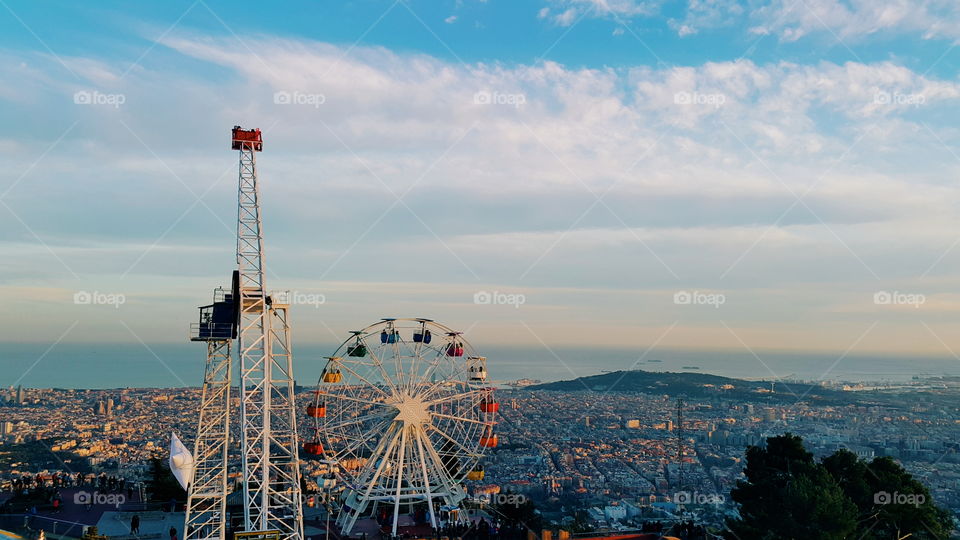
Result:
{"points": [[317, 411], [313, 448], [488, 405], [489, 439]]}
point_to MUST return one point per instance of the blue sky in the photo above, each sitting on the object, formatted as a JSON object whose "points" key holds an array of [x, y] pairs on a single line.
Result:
{"points": [[791, 159]]}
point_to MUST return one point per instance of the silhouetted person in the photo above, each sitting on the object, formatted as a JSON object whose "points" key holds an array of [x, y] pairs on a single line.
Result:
{"points": [[135, 524]]}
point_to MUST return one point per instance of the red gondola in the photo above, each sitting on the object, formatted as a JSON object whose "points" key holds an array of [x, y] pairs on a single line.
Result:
{"points": [[488, 405], [489, 438]]}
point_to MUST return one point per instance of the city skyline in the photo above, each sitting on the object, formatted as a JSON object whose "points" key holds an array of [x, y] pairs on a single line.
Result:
{"points": [[796, 164]]}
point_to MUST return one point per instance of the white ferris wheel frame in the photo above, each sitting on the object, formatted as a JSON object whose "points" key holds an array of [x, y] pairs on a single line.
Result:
{"points": [[403, 423]]}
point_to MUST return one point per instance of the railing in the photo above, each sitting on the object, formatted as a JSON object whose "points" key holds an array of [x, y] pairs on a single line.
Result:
{"points": [[203, 331], [27, 524], [219, 294]]}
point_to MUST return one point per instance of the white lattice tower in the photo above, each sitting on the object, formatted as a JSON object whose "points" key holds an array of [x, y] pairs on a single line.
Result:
{"points": [[271, 475], [207, 497]]}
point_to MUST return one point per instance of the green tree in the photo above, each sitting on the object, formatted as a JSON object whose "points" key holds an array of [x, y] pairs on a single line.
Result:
{"points": [[161, 484], [891, 502], [788, 495]]}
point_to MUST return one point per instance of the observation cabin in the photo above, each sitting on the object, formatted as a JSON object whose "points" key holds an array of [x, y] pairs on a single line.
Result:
{"points": [[247, 138], [219, 320]]}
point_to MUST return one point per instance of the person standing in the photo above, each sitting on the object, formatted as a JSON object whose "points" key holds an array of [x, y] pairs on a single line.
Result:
{"points": [[135, 524]]}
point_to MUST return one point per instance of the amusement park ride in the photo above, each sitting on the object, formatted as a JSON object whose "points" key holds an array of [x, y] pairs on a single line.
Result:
{"points": [[404, 414], [401, 416]]}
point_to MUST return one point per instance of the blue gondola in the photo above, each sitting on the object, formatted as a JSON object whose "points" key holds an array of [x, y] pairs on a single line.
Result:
{"points": [[423, 337]]}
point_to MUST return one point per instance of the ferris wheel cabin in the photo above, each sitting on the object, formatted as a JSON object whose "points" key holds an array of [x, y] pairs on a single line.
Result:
{"points": [[477, 368]]}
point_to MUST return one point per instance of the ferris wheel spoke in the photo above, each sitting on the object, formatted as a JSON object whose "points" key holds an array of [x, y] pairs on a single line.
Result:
{"points": [[443, 434], [438, 361], [346, 366], [339, 397], [383, 372], [437, 388], [357, 442], [360, 420], [443, 474], [453, 397], [462, 419], [426, 476], [375, 474]]}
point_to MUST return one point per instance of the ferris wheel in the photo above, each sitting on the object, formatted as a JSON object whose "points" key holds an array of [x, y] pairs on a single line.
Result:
{"points": [[404, 414]]}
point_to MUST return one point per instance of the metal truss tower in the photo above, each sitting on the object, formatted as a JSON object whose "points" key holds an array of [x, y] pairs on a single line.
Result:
{"points": [[207, 496], [268, 427]]}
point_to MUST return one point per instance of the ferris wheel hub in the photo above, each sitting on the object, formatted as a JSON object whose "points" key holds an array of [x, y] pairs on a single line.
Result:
{"points": [[411, 410]]}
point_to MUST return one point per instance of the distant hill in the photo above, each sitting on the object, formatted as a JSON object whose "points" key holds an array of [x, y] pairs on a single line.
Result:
{"points": [[700, 385]]}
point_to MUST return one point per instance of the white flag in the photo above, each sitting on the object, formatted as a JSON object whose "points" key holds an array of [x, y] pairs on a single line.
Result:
{"points": [[181, 461]]}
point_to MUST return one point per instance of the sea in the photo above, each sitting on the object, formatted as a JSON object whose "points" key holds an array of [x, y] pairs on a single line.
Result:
{"points": [[85, 365]]}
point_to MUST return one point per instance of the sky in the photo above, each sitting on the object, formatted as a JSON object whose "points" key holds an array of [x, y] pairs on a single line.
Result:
{"points": [[713, 174]]}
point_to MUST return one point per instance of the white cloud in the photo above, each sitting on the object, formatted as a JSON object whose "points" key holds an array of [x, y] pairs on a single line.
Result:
{"points": [[451, 19], [849, 20], [705, 14], [569, 11], [694, 183], [855, 19]]}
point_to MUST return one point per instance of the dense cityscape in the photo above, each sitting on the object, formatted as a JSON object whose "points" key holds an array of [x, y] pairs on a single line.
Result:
{"points": [[589, 459]]}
